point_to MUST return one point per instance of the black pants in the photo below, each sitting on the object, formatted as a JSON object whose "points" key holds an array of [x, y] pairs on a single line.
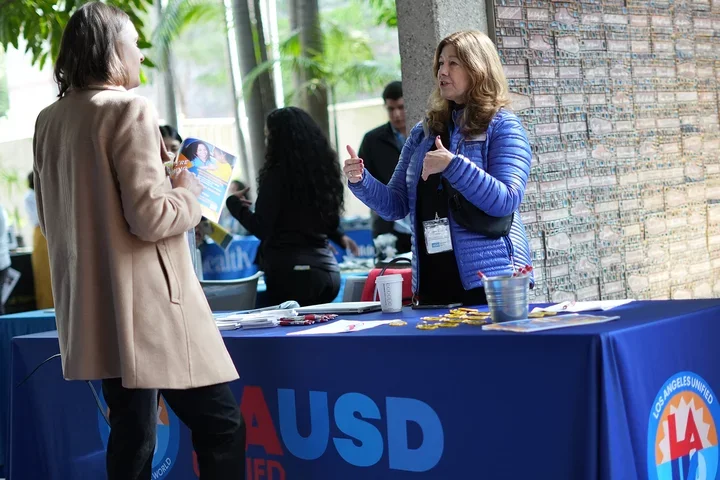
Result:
{"points": [[307, 287], [211, 413], [3, 277]]}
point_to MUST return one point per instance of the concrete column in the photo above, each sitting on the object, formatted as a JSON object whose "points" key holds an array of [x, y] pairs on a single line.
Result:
{"points": [[421, 26]]}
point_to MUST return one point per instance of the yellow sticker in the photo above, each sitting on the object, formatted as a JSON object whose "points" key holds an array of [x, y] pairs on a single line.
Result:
{"points": [[426, 326], [448, 324], [475, 322], [397, 323]]}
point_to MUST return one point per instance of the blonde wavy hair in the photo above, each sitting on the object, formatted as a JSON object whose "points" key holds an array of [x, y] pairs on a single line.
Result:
{"points": [[488, 91]]}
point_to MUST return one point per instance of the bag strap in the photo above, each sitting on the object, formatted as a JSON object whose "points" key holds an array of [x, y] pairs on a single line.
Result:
{"points": [[394, 261]]}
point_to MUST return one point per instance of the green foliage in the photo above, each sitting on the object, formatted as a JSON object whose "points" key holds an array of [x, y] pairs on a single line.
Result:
{"points": [[41, 22], [10, 181], [345, 67], [385, 12], [4, 93], [179, 15], [347, 61]]}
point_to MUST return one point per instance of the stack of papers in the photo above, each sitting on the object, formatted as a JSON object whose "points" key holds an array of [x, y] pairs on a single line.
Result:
{"points": [[547, 323], [265, 319], [575, 307]]}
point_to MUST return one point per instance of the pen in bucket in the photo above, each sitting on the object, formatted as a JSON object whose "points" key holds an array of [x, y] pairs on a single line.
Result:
{"points": [[523, 271]]}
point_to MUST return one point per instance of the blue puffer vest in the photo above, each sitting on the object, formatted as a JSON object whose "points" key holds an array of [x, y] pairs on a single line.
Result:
{"points": [[490, 170]]}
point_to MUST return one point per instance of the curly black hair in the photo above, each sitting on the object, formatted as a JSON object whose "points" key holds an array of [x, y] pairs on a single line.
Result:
{"points": [[301, 156]]}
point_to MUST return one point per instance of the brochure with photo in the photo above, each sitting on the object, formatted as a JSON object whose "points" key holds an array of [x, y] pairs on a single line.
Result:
{"points": [[213, 167]]}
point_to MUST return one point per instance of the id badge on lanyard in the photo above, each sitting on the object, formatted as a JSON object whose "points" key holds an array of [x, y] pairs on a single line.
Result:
{"points": [[437, 235], [437, 232]]}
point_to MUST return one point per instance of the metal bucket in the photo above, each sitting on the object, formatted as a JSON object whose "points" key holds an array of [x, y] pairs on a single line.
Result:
{"points": [[507, 297]]}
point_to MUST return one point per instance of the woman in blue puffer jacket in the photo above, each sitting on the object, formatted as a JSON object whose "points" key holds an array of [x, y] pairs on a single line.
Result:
{"points": [[485, 159]]}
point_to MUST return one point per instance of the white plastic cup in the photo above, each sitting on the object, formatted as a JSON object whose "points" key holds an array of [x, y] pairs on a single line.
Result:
{"points": [[389, 287]]}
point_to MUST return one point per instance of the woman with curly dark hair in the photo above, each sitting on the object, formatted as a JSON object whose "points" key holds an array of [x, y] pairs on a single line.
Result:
{"points": [[300, 200]]}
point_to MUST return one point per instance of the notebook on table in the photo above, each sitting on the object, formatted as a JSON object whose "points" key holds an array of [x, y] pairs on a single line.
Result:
{"points": [[340, 308]]}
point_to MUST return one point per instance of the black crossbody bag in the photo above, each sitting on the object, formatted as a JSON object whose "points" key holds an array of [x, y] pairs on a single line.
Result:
{"points": [[468, 215]]}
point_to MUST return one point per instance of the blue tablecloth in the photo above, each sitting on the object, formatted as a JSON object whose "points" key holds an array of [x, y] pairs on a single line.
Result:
{"points": [[14, 325], [607, 401]]}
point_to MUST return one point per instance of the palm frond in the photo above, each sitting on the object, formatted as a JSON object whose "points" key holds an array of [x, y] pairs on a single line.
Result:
{"points": [[286, 62], [367, 75], [346, 58], [250, 79], [291, 46], [178, 15]]}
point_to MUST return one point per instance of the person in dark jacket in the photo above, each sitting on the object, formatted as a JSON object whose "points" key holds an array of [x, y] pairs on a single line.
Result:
{"points": [[298, 208], [380, 149], [485, 159]]}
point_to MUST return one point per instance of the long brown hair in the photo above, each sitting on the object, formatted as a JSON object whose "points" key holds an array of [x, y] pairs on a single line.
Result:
{"points": [[488, 90], [88, 49]]}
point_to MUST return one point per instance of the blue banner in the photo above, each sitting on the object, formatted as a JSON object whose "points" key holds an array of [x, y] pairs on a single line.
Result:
{"points": [[237, 261]]}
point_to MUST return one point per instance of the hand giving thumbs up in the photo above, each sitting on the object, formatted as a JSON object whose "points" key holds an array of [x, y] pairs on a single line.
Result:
{"points": [[354, 167], [436, 161]]}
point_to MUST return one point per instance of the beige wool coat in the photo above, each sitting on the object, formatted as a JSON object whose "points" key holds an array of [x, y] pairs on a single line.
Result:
{"points": [[127, 301]]}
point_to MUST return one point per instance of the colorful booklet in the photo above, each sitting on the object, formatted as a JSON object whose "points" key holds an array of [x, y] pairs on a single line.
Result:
{"points": [[547, 323], [213, 167]]}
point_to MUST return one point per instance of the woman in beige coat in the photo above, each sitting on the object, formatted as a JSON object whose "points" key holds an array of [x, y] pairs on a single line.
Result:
{"points": [[129, 308]]}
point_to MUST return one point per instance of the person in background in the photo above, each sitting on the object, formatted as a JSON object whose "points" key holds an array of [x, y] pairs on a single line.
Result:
{"points": [[130, 310], [227, 221], [171, 138], [298, 208], [479, 172], [380, 149], [39, 258], [4, 254]]}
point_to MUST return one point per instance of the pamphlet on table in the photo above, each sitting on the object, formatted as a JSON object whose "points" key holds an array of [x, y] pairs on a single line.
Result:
{"points": [[576, 307], [547, 323], [342, 326]]}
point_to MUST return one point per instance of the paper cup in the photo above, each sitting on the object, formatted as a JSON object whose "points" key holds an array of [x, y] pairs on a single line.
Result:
{"points": [[389, 288]]}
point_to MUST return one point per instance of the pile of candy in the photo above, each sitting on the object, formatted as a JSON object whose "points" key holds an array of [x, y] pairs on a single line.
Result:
{"points": [[468, 316]]}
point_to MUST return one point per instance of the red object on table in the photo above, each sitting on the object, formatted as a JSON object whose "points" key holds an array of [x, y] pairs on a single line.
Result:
{"points": [[369, 289]]}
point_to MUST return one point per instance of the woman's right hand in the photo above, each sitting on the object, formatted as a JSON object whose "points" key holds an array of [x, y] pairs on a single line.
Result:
{"points": [[188, 181], [354, 167]]}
